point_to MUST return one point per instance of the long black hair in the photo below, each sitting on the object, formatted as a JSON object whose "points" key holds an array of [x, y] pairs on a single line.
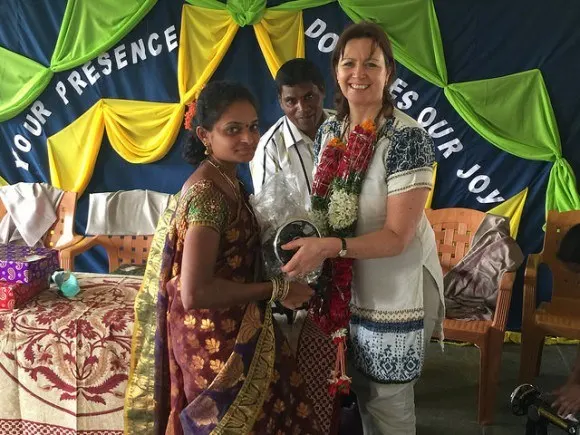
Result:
{"points": [[213, 101]]}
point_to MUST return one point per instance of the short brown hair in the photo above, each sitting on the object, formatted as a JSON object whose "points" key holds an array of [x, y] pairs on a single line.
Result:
{"points": [[374, 32]]}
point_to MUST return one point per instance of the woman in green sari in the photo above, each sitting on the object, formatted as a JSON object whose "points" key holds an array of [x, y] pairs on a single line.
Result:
{"points": [[220, 363]]}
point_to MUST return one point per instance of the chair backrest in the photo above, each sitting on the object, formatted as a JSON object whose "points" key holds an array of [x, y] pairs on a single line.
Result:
{"points": [[565, 283], [454, 230], [123, 250], [62, 231]]}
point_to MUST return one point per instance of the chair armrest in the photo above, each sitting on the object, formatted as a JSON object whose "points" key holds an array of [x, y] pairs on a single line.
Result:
{"points": [[504, 298], [530, 284], [76, 239], [68, 254]]}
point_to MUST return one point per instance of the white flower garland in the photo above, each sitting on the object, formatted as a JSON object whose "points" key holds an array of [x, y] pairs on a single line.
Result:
{"points": [[342, 209]]}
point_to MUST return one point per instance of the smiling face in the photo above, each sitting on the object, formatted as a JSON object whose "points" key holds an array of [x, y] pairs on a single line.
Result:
{"points": [[302, 104], [362, 72], [235, 135]]}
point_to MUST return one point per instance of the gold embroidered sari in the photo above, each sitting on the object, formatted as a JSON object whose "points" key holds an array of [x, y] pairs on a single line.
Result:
{"points": [[210, 371]]}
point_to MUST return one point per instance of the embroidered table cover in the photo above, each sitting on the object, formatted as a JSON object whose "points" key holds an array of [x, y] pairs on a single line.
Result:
{"points": [[64, 363]]}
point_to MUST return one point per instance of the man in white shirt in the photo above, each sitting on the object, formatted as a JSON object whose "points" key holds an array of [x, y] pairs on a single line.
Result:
{"points": [[288, 145]]}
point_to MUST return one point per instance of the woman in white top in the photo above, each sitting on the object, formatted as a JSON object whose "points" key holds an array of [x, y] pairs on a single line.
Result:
{"points": [[397, 294]]}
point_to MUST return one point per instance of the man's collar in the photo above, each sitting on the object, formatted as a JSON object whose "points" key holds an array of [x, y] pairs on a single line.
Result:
{"points": [[293, 135]]}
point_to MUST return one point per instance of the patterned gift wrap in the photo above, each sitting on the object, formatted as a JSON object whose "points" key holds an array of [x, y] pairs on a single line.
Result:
{"points": [[22, 264], [14, 295]]}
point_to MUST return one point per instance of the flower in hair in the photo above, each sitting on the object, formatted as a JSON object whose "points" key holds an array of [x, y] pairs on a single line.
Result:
{"points": [[189, 115]]}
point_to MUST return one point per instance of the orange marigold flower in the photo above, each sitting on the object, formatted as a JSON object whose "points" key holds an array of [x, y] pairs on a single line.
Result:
{"points": [[336, 143], [368, 125]]}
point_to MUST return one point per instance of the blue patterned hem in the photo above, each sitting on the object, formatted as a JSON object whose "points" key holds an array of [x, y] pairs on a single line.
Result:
{"points": [[396, 327], [387, 352]]}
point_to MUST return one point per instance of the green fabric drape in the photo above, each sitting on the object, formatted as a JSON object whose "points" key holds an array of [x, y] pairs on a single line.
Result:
{"points": [[243, 12], [90, 27], [21, 82], [294, 5], [208, 4], [562, 194], [246, 12], [514, 112]]}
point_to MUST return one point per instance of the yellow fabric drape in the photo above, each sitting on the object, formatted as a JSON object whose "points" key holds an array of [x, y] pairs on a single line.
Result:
{"points": [[3, 182], [429, 202], [206, 35], [516, 337], [513, 209], [142, 131], [72, 152], [280, 35], [139, 131]]}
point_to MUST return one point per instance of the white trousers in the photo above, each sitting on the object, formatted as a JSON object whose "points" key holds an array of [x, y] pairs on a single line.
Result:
{"points": [[389, 409]]}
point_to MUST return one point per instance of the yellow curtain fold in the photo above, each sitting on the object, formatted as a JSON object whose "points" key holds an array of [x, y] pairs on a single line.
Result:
{"points": [[280, 35], [72, 152], [142, 131], [206, 35], [513, 209]]}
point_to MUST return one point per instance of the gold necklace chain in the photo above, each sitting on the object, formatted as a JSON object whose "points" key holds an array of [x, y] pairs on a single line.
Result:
{"points": [[228, 179]]}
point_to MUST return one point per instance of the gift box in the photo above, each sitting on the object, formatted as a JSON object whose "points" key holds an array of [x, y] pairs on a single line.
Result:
{"points": [[22, 264], [14, 295]]}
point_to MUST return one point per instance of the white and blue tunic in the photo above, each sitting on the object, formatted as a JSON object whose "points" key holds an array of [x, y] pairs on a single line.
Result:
{"points": [[387, 321]]}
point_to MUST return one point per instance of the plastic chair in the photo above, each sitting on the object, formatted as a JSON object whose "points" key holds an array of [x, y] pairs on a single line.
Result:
{"points": [[121, 250], [559, 317], [61, 234], [454, 230]]}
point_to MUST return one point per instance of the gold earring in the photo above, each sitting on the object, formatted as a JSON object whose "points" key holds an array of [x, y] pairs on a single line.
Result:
{"points": [[207, 151]]}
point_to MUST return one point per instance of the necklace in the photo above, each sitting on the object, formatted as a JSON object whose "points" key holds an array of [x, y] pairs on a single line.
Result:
{"points": [[228, 179], [236, 191]]}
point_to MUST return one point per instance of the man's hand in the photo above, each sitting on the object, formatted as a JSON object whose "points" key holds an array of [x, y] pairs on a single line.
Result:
{"points": [[567, 399]]}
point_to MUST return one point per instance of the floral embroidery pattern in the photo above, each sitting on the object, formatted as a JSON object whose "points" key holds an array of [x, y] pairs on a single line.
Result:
{"points": [[411, 148], [74, 354]]}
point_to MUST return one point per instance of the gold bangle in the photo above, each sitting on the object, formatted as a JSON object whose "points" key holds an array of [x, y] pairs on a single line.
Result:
{"points": [[285, 290], [277, 289]]}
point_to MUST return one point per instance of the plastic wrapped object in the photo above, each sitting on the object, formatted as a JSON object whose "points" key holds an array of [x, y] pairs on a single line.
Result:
{"points": [[282, 217]]}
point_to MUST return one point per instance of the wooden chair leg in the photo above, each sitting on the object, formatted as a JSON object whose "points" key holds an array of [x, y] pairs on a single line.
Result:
{"points": [[489, 373], [531, 355]]}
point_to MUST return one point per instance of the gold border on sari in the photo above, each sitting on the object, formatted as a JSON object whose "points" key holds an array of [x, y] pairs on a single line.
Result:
{"points": [[139, 411], [243, 412]]}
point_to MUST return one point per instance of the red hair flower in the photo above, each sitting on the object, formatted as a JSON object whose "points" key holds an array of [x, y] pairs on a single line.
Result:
{"points": [[189, 115]]}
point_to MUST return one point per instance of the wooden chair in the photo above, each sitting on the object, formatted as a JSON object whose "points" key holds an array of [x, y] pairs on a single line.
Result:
{"points": [[561, 316], [121, 250], [61, 234], [454, 230]]}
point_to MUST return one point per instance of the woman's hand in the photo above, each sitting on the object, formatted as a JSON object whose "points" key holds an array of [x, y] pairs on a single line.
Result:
{"points": [[567, 399], [298, 294], [310, 253]]}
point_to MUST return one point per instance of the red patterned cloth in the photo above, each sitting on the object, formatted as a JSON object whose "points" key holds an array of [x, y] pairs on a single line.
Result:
{"points": [[64, 363], [14, 295]]}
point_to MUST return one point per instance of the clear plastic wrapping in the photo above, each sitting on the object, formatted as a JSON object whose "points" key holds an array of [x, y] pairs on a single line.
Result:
{"points": [[283, 216]]}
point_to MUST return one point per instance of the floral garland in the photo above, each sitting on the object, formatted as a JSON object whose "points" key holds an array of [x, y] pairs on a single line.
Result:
{"points": [[335, 198]]}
